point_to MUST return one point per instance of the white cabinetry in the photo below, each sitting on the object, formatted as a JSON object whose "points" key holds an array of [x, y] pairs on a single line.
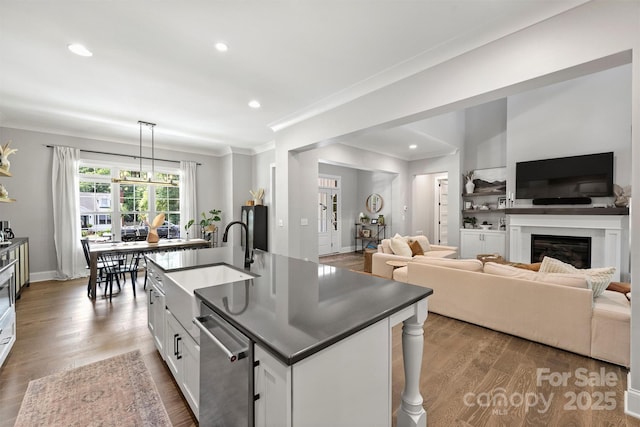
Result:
{"points": [[155, 319], [297, 395], [272, 380], [178, 349], [182, 355], [474, 242]]}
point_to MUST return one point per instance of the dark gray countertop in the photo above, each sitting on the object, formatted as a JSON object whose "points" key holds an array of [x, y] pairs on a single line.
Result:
{"points": [[294, 308]]}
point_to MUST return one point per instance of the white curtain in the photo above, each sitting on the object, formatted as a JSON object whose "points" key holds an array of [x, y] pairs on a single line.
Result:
{"points": [[188, 208], [65, 189]]}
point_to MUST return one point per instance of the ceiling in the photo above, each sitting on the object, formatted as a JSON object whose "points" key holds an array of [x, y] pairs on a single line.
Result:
{"points": [[155, 61]]}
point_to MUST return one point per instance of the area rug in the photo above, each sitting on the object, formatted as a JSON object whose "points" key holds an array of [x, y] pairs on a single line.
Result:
{"points": [[118, 391]]}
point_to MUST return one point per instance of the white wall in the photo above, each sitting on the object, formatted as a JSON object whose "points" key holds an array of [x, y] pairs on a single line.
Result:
{"points": [[32, 214], [486, 135], [379, 183], [586, 115]]}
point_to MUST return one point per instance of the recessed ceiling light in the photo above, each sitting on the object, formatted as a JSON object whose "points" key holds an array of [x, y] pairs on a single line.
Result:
{"points": [[79, 49], [222, 47], [413, 146], [254, 103]]}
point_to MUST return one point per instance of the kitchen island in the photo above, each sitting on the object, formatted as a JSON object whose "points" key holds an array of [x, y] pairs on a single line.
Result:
{"points": [[320, 336]]}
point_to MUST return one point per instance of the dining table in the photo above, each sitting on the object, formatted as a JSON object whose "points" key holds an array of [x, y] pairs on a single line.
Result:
{"points": [[98, 248]]}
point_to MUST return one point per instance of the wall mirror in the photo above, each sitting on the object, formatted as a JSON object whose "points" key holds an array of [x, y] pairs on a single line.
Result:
{"points": [[374, 203]]}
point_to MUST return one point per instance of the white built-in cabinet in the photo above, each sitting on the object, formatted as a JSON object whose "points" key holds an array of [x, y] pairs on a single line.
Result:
{"points": [[182, 355], [477, 241]]}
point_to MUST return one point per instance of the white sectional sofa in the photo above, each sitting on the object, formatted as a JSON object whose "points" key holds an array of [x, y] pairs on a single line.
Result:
{"points": [[560, 315], [379, 266]]}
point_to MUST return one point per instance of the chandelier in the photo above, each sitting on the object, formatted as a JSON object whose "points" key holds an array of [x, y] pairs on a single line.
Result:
{"points": [[138, 177]]}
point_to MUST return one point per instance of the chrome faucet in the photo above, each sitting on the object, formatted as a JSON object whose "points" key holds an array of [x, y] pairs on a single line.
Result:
{"points": [[247, 259]]}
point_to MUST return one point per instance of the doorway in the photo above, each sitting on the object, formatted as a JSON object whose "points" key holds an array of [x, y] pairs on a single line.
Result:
{"points": [[442, 210], [328, 215], [431, 208]]}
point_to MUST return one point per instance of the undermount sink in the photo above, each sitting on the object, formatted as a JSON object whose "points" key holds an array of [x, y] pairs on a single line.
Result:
{"points": [[180, 299], [190, 280]]}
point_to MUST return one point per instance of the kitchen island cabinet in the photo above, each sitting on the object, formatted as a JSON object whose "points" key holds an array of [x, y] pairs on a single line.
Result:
{"points": [[183, 358], [320, 336]]}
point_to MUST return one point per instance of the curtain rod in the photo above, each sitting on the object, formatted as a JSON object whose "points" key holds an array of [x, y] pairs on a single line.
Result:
{"points": [[127, 155]]}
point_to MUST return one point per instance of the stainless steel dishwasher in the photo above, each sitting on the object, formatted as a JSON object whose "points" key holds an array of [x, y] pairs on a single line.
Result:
{"points": [[226, 373]]}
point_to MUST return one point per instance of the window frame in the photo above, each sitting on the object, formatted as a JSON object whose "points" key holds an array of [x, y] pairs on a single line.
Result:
{"points": [[116, 211]]}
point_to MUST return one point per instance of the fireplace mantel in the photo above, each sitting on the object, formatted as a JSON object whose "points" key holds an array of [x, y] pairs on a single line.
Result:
{"points": [[609, 234], [566, 211]]}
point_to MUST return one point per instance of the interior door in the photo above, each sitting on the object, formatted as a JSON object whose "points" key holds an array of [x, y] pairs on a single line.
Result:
{"points": [[443, 211], [328, 227]]}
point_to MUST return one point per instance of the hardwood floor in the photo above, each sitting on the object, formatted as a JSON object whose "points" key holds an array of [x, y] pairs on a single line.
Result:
{"points": [[353, 260], [60, 328]]}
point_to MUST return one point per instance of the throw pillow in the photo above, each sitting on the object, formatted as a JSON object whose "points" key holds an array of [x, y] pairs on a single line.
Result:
{"points": [[416, 248], [619, 287], [424, 242], [599, 277], [399, 246]]}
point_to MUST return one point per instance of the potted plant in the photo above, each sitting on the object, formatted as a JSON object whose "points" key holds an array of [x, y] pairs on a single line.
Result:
{"points": [[207, 225], [187, 226], [364, 218], [469, 221]]}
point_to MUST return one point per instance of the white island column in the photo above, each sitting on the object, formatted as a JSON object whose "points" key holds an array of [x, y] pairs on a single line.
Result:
{"points": [[411, 412]]}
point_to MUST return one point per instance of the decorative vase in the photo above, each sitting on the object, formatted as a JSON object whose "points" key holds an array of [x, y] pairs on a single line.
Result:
{"points": [[469, 186]]}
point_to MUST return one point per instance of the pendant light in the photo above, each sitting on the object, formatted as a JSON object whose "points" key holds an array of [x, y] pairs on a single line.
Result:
{"points": [[139, 179]]}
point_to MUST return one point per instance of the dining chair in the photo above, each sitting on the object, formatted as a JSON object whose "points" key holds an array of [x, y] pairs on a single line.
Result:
{"points": [[117, 266], [101, 276]]}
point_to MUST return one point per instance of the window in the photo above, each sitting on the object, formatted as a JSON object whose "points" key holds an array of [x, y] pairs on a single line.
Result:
{"points": [[95, 213], [102, 201]]}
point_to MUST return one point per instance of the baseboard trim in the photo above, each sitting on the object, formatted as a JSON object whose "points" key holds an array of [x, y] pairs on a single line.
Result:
{"points": [[44, 276], [631, 400]]}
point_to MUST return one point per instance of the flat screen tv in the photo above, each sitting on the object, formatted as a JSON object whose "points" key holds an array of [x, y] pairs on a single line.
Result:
{"points": [[576, 177]]}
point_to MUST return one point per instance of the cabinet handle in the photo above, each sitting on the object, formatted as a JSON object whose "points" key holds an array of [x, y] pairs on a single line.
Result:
{"points": [[175, 345], [179, 356], [256, 397], [150, 296]]}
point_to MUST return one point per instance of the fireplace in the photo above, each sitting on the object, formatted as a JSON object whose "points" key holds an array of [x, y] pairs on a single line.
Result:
{"points": [[570, 249], [608, 234]]}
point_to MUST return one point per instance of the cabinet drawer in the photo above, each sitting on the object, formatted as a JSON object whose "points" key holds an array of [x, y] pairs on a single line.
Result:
{"points": [[155, 276]]}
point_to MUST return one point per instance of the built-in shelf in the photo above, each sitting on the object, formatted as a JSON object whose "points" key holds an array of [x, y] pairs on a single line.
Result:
{"points": [[488, 193], [4, 172], [566, 211], [6, 200], [481, 211]]}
